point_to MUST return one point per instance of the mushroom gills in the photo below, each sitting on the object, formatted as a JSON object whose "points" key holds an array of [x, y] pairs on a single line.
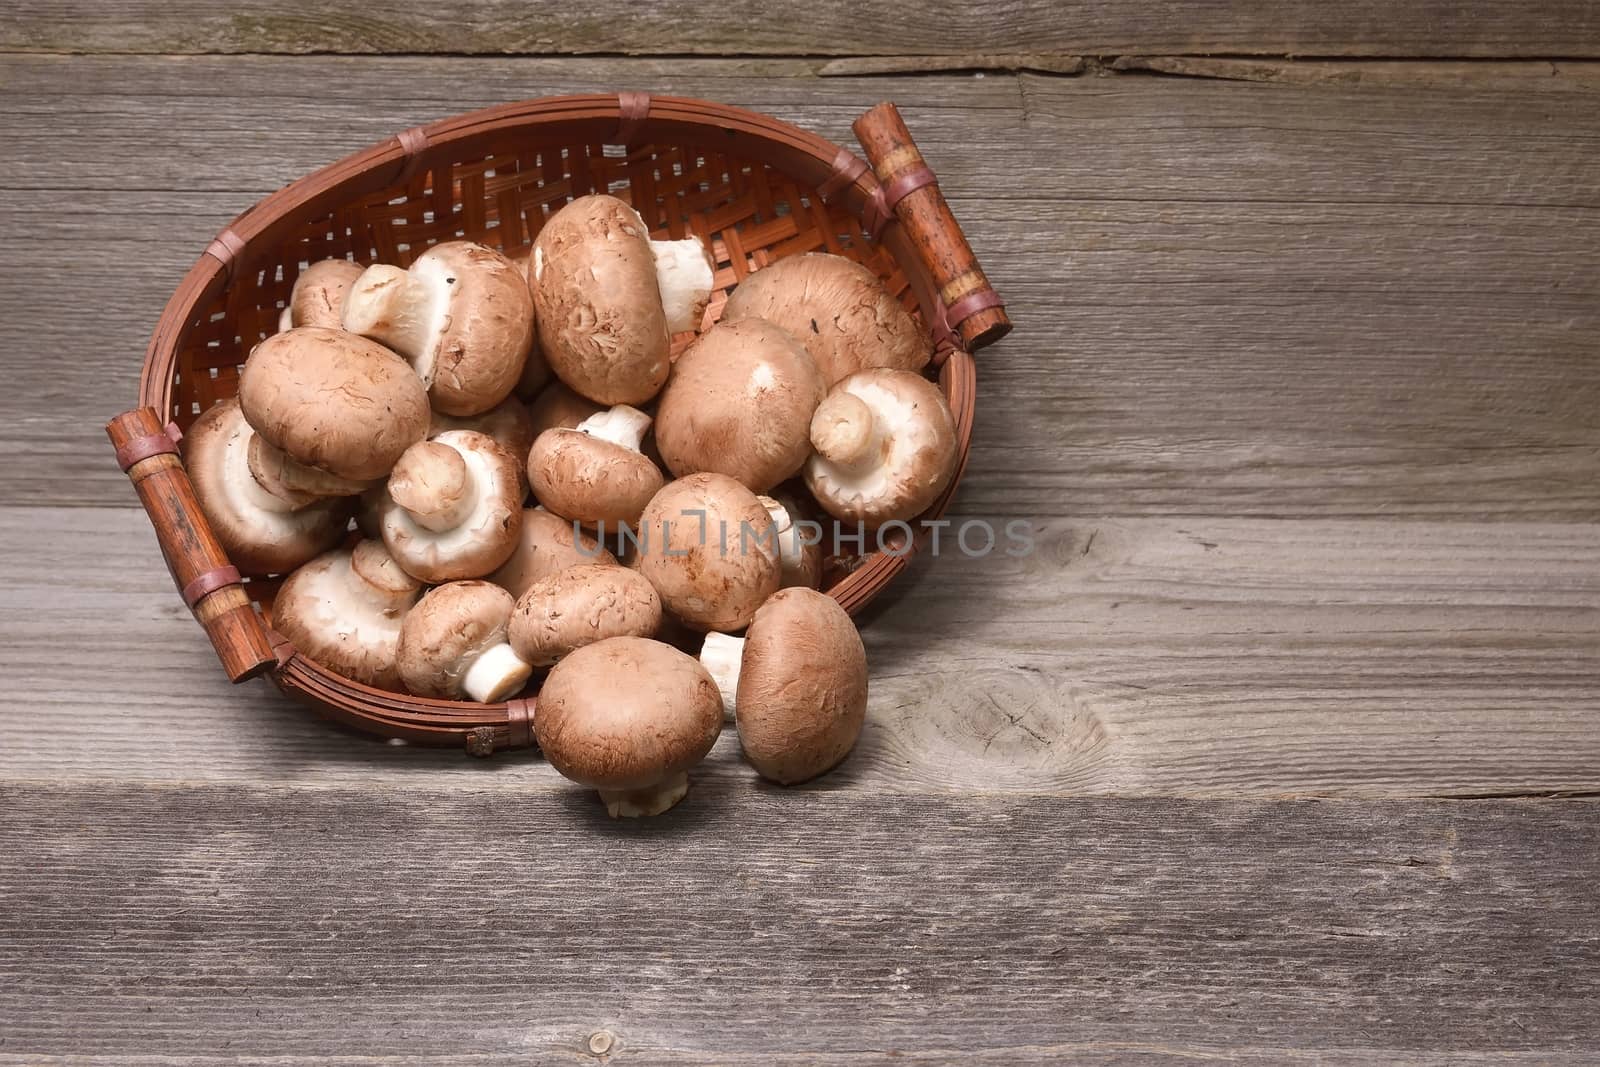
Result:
{"points": [[471, 522], [722, 655], [405, 310], [860, 472], [685, 277], [495, 675]]}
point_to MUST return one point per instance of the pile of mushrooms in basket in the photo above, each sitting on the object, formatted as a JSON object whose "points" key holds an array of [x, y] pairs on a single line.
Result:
{"points": [[558, 546]]}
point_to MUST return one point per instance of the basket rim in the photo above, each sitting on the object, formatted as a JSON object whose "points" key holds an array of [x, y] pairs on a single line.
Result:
{"points": [[384, 163]]}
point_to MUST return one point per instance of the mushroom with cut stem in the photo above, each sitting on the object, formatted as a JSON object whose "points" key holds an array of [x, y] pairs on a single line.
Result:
{"points": [[287, 478], [508, 423], [454, 507], [453, 645], [317, 298], [579, 606], [461, 315], [885, 447], [799, 556], [344, 610], [608, 298], [739, 403], [334, 401], [595, 475], [628, 717], [838, 309], [710, 548], [796, 684], [261, 531], [546, 545]]}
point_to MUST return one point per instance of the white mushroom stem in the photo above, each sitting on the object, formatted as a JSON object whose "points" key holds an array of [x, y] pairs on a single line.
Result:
{"points": [[495, 675], [402, 309], [844, 432], [621, 425], [433, 484], [722, 655], [684, 275], [285, 320], [791, 553], [644, 803]]}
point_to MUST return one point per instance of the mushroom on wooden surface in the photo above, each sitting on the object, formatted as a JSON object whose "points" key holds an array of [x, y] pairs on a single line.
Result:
{"points": [[628, 716], [796, 684], [461, 315], [708, 545], [344, 610], [579, 606], [886, 447], [453, 645], [608, 298], [262, 532], [739, 402], [595, 475], [334, 401], [838, 309], [454, 507]]}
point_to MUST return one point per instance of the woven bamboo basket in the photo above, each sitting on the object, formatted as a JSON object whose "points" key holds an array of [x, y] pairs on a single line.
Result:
{"points": [[755, 188]]}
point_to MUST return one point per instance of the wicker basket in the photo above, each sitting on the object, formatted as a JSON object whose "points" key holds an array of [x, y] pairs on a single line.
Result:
{"points": [[755, 188]]}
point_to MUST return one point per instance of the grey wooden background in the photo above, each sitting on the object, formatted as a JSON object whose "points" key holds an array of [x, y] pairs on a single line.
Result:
{"points": [[1282, 746]]}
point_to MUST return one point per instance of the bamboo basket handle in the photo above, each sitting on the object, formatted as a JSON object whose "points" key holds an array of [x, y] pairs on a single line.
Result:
{"points": [[208, 583], [911, 194]]}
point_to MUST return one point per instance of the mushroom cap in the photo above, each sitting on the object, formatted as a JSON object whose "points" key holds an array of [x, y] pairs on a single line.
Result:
{"points": [[257, 531], [546, 545], [333, 400], [626, 712], [451, 626], [710, 548], [486, 535], [590, 480], [344, 610], [802, 693], [838, 309], [598, 306], [488, 330], [579, 606], [508, 423], [317, 298], [910, 446], [558, 406], [739, 403]]}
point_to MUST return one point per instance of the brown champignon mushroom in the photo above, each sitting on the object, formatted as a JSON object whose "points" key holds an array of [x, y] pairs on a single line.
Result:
{"points": [[579, 606], [628, 717], [547, 544], [461, 315], [595, 475], [885, 447], [508, 424], [796, 683], [454, 507], [262, 532], [317, 298], [333, 401], [453, 645], [559, 407], [739, 403], [710, 548], [344, 610], [838, 309], [608, 298], [288, 479]]}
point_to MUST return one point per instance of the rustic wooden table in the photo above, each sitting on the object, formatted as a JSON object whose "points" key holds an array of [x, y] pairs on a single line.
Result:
{"points": [[1282, 746]]}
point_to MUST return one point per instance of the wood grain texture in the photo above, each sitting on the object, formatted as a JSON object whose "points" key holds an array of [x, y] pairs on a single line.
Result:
{"points": [[201, 922], [1120, 657], [1552, 28], [1232, 299]]}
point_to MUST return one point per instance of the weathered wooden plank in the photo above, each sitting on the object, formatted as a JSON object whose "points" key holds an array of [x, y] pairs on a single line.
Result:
{"points": [[1232, 299], [1160, 657], [1538, 28], [450, 926]]}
